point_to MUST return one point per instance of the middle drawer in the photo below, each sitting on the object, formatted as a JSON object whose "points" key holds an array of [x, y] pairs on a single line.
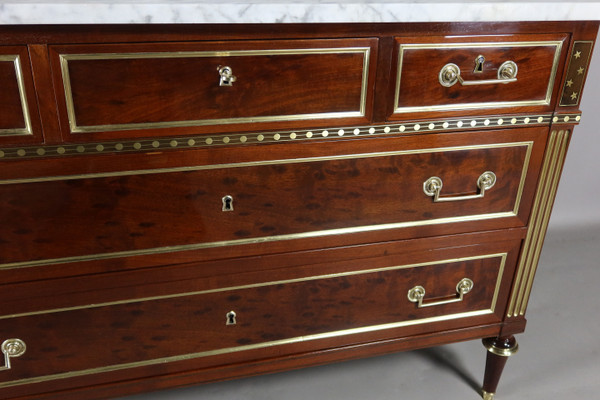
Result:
{"points": [[416, 182]]}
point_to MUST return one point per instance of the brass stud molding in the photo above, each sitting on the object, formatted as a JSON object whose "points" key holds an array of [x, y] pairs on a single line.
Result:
{"points": [[257, 138], [566, 118]]}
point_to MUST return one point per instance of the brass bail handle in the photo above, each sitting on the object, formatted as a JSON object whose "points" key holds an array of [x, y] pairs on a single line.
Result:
{"points": [[417, 294], [433, 187], [450, 74]]}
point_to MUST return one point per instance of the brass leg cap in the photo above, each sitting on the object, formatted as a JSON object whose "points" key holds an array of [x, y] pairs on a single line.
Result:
{"points": [[487, 396]]}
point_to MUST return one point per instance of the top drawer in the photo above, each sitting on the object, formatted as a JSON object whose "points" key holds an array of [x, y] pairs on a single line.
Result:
{"points": [[174, 88], [471, 73]]}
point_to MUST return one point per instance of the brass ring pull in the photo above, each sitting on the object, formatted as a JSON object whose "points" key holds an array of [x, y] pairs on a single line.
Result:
{"points": [[417, 294], [450, 74], [226, 74], [12, 348], [433, 187]]}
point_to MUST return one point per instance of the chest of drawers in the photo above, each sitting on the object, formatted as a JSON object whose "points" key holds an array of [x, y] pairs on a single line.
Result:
{"points": [[190, 203]]}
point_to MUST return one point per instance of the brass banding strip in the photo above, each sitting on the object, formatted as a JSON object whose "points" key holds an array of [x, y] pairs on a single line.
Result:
{"points": [[26, 130], [75, 128], [292, 236], [466, 106], [259, 138], [298, 339], [540, 216]]}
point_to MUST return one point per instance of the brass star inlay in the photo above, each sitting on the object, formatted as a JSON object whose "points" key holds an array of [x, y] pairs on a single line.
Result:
{"points": [[573, 96], [580, 71], [577, 54], [570, 83]]}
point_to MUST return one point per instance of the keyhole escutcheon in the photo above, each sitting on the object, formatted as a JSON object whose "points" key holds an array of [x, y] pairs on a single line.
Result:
{"points": [[230, 318], [227, 203], [479, 61]]}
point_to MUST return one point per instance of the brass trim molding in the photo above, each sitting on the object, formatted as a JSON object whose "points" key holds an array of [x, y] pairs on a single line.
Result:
{"points": [[75, 128], [292, 236], [257, 138], [538, 222], [26, 130], [566, 118], [576, 73], [318, 336], [467, 106]]}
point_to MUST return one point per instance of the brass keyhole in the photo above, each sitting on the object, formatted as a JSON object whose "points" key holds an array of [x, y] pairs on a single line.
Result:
{"points": [[230, 318], [479, 61], [227, 203]]}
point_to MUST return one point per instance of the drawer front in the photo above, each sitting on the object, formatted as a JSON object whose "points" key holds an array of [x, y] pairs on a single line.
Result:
{"points": [[292, 310], [18, 112], [130, 89], [475, 72], [88, 217]]}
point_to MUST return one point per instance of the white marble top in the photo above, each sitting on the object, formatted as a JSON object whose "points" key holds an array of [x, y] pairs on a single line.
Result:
{"points": [[281, 11]]}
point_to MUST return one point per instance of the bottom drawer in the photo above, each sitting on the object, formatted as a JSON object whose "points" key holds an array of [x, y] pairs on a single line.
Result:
{"points": [[292, 310]]}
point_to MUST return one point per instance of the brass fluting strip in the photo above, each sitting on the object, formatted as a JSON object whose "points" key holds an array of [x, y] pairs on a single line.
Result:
{"points": [[523, 265], [564, 140]]}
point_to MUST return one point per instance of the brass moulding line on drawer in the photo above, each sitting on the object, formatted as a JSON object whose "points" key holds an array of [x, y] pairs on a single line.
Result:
{"points": [[26, 130], [540, 215], [257, 138], [75, 128], [467, 106], [502, 256], [298, 339], [291, 236]]}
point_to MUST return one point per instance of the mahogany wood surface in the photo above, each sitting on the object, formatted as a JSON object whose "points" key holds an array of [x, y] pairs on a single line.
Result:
{"points": [[90, 238]]}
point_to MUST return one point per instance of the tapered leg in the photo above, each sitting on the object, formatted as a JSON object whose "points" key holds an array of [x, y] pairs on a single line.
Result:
{"points": [[499, 349]]}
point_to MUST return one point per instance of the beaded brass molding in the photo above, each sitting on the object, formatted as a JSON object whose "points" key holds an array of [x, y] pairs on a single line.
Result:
{"points": [[540, 215], [576, 73], [566, 118], [202, 141]]}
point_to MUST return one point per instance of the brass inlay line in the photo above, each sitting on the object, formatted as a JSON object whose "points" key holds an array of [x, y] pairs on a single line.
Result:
{"points": [[466, 106], [264, 239], [75, 128], [319, 336], [26, 130], [540, 216], [337, 133]]}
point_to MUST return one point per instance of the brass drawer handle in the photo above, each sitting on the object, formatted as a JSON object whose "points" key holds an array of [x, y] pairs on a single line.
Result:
{"points": [[417, 294], [450, 74], [12, 348], [433, 187], [227, 77]]}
